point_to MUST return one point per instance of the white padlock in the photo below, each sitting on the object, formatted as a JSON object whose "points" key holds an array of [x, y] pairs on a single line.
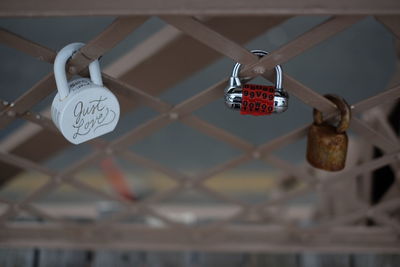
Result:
{"points": [[83, 108]]}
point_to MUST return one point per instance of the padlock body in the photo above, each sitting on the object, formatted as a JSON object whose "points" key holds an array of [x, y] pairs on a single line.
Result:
{"points": [[326, 149], [87, 112]]}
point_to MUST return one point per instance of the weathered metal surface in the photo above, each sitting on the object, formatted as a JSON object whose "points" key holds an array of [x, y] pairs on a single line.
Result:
{"points": [[327, 144]]}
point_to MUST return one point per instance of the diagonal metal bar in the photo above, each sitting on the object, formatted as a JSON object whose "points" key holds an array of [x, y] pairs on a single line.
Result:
{"points": [[29, 47], [302, 43], [203, 98], [182, 111], [387, 206], [184, 181], [24, 163], [3, 105], [289, 168], [201, 32], [53, 182], [204, 34], [141, 132], [153, 165], [293, 136], [381, 122], [376, 138], [285, 197], [220, 196], [141, 207], [367, 166], [311, 38], [351, 218], [143, 204], [170, 223], [47, 124], [60, 177], [229, 164], [307, 95], [288, 138], [10, 213], [302, 131], [118, 30], [158, 197], [80, 164], [40, 120], [82, 186], [385, 220], [385, 97], [39, 192], [100, 44], [306, 41], [13, 210], [189, 103], [35, 117], [154, 55], [138, 207], [131, 208], [127, 90], [25, 102], [39, 213], [216, 132]]}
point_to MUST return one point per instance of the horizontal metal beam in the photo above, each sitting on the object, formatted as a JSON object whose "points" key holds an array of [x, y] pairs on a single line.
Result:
{"points": [[28, 8], [177, 212], [269, 238]]}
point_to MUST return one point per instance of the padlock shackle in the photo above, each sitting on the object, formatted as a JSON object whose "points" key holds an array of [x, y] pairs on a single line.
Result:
{"points": [[236, 82], [60, 73], [342, 106]]}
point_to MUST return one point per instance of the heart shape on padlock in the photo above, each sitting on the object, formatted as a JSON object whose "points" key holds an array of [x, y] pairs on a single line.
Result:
{"points": [[82, 109]]}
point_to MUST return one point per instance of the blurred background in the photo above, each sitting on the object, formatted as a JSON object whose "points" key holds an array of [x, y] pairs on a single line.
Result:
{"points": [[355, 64]]}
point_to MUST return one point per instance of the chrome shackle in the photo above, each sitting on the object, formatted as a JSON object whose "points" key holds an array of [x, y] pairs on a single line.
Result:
{"points": [[235, 81]]}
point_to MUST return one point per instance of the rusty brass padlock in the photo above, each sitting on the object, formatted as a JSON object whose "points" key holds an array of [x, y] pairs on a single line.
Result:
{"points": [[327, 144]]}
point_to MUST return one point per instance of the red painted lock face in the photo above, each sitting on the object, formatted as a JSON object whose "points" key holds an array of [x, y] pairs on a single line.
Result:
{"points": [[257, 99]]}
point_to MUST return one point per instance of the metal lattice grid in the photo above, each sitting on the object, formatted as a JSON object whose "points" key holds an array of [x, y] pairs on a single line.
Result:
{"points": [[346, 232]]}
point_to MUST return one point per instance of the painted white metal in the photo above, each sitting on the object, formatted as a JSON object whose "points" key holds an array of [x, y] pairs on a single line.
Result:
{"points": [[82, 109]]}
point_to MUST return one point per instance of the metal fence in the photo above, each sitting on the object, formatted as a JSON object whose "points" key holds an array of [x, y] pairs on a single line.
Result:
{"points": [[252, 227]]}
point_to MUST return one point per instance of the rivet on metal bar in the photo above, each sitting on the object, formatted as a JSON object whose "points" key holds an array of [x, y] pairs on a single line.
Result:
{"points": [[15, 207], [11, 113], [58, 179], [109, 151], [256, 154], [188, 184], [173, 116]]}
